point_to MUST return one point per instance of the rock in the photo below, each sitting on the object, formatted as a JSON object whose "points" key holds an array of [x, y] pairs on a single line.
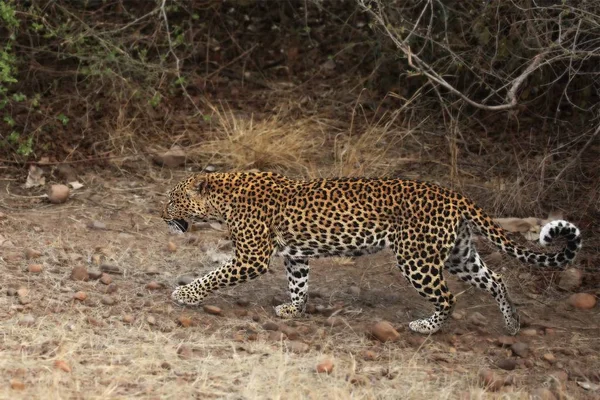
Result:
{"points": [[153, 285], [354, 291], [94, 274], [111, 269], [477, 319], [185, 321], [488, 379], [542, 394], [58, 194], [106, 279], [22, 292], [11, 292], [520, 349], [27, 320], [171, 247], [152, 271], [128, 318], [112, 288], [107, 300], [334, 321], [185, 352], [369, 355], [172, 158], [17, 384], [506, 341], [276, 336], [528, 332], [62, 365], [290, 332], [31, 254], [96, 225], [243, 302], [66, 172], [270, 326], [151, 320], [35, 268], [95, 322], [458, 315], [358, 380], [325, 366], [507, 364], [213, 310], [297, 347], [185, 280], [81, 296], [80, 274], [549, 357], [582, 301], [570, 279], [384, 332]]}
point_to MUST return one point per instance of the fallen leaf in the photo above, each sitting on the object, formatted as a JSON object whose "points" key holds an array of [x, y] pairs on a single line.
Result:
{"points": [[75, 185], [35, 177], [60, 364], [589, 386]]}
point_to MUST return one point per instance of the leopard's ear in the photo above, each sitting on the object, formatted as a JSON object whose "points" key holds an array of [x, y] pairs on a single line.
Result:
{"points": [[199, 184]]}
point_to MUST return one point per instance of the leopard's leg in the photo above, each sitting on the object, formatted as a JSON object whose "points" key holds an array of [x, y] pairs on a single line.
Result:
{"points": [[251, 260], [297, 271], [466, 263], [424, 271]]}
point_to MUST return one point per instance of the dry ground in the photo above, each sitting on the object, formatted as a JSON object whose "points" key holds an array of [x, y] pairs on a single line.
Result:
{"points": [[53, 346]]}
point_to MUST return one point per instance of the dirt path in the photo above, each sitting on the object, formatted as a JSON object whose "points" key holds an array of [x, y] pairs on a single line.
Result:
{"points": [[85, 313]]}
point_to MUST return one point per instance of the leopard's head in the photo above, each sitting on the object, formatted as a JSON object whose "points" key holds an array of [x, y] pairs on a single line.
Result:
{"points": [[188, 202]]}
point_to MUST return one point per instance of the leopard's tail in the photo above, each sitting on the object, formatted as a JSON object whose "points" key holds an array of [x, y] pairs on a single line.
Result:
{"points": [[551, 231]]}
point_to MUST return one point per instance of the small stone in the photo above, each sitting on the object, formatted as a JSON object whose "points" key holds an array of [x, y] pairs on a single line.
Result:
{"points": [[107, 300], [570, 279], [529, 332], [325, 366], [276, 336], [243, 302], [213, 310], [185, 280], [171, 247], [384, 332], [153, 285], [240, 313], [128, 318], [185, 352], [172, 158], [477, 319], [106, 279], [334, 321], [112, 288], [152, 271], [270, 326], [297, 347], [58, 194], [582, 301], [80, 274], [507, 364], [458, 315], [185, 321], [290, 332], [490, 380], [549, 357], [81, 296], [31, 254], [111, 269], [96, 225], [506, 341], [95, 322], [62, 365], [35, 268], [542, 394], [11, 292], [17, 384], [151, 320], [369, 355], [354, 291], [95, 274], [358, 380], [520, 349], [27, 320]]}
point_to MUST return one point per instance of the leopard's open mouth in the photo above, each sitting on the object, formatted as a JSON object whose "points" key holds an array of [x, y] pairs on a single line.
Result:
{"points": [[178, 225]]}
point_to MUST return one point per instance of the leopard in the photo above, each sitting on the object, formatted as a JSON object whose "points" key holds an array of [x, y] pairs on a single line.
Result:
{"points": [[429, 228]]}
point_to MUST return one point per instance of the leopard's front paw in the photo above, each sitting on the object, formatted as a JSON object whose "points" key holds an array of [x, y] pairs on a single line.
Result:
{"points": [[185, 296], [287, 311]]}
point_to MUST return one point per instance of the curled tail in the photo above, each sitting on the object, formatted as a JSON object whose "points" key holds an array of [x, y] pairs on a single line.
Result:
{"points": [[551, 231]]}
